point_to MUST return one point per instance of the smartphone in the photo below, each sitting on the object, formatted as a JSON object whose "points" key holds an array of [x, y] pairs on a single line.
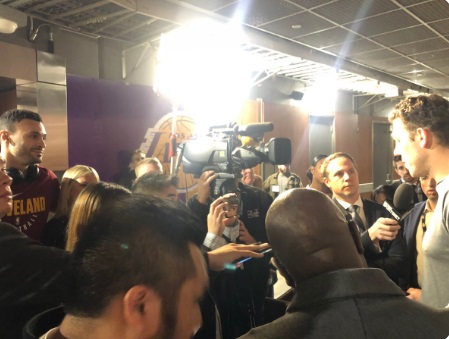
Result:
{"points": [[267, 253]]}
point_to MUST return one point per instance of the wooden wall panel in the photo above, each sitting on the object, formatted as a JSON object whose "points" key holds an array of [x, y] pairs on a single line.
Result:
{"points": [[291, 122], [346, 132], [8, 100], [365, 149]]}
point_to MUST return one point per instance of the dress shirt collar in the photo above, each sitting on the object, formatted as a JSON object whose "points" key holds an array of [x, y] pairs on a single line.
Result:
{"points": [[345, 204]]}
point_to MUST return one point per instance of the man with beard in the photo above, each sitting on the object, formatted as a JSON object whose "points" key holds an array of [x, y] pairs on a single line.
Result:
{"points": [[32, 277], [35, 188], [138, 273], [281, 181]]}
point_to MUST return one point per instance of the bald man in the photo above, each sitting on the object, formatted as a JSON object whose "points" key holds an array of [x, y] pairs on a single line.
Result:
{"points": [[336, 295]]}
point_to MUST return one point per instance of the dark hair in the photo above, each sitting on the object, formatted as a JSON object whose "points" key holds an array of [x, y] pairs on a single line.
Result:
{"points": [[153, 182], [424, 111], [138, 240], [334, 156], [396, 159], [9, 119]]}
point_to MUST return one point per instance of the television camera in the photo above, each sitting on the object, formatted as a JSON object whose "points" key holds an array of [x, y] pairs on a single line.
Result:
{"points": [[229, 149]]}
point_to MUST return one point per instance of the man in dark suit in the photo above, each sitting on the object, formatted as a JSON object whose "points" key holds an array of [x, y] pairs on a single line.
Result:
{"points": [[384, 248], [406, 177], [415, 226]]}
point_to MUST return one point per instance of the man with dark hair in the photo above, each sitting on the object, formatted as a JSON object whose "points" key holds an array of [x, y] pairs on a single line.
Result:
{"points": [[336, 295], [384, 248], [138, 273], [32, 277], [421, 133], [35, 188], [158, 184], [405, 177]]}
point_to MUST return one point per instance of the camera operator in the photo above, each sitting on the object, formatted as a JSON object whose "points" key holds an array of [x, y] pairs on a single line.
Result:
{"points": [[239, 294]]}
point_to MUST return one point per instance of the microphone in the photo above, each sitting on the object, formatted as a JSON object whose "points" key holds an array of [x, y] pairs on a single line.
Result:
{"points": [[402, 202]]}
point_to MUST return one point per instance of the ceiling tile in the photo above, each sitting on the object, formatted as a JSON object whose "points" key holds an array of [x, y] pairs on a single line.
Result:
{"points": [[406, 68], [329, 37], [412, 2], [431, 11], [210, 5], [310, 3], [372, 56], [428, 76], [309, 23], [432, 56], [419, 47], [353, 47], [346, 11], [404, 36], [393, 65], [256, 12], [438, 63], [441, 27], [445, 69], [383, 23]]}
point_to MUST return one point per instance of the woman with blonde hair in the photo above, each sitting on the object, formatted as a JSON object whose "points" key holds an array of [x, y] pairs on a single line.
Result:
{"points": [[72, 183], [90, 200]]}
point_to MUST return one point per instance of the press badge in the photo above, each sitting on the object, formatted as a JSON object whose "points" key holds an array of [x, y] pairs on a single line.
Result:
{"points": [[275, 188]]}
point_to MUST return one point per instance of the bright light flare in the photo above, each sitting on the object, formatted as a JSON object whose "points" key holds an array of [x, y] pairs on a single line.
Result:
{"points": [[320, 98], [203, 69]]}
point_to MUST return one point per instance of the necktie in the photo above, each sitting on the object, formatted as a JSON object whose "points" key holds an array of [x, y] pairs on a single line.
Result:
{"points": [[356, 217]]}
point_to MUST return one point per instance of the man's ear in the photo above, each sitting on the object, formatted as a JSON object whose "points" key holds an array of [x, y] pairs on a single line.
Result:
{"points": [[326, 181], [283, 272], [425, 138], [142, 310], [312, 169], [4, 135]]}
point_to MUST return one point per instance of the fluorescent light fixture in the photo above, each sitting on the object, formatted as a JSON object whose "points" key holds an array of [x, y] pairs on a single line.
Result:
{"points": [[7, 26], [11, 19]]}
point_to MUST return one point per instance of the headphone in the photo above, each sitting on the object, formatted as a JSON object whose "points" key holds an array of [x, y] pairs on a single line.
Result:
{"points": [[18, 177]]}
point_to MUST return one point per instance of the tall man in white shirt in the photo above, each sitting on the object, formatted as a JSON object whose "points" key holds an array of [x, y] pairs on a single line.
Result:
{"points": [[421, 133]]}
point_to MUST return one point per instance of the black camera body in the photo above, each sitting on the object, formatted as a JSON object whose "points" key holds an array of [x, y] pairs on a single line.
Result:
{"points": [[223, 152]]}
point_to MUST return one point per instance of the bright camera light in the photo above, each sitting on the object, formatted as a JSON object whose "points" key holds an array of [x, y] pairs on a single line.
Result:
{"points": [[203, 69], [320, 98]]}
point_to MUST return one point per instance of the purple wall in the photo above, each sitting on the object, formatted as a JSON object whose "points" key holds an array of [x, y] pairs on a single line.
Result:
{"points": [[105, 117]]}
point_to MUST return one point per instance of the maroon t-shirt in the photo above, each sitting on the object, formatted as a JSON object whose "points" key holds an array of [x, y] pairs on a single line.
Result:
{"points": [[32, 201]]}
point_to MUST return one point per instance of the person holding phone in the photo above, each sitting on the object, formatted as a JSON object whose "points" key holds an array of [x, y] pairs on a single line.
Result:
{"points": [[239, 294]]}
